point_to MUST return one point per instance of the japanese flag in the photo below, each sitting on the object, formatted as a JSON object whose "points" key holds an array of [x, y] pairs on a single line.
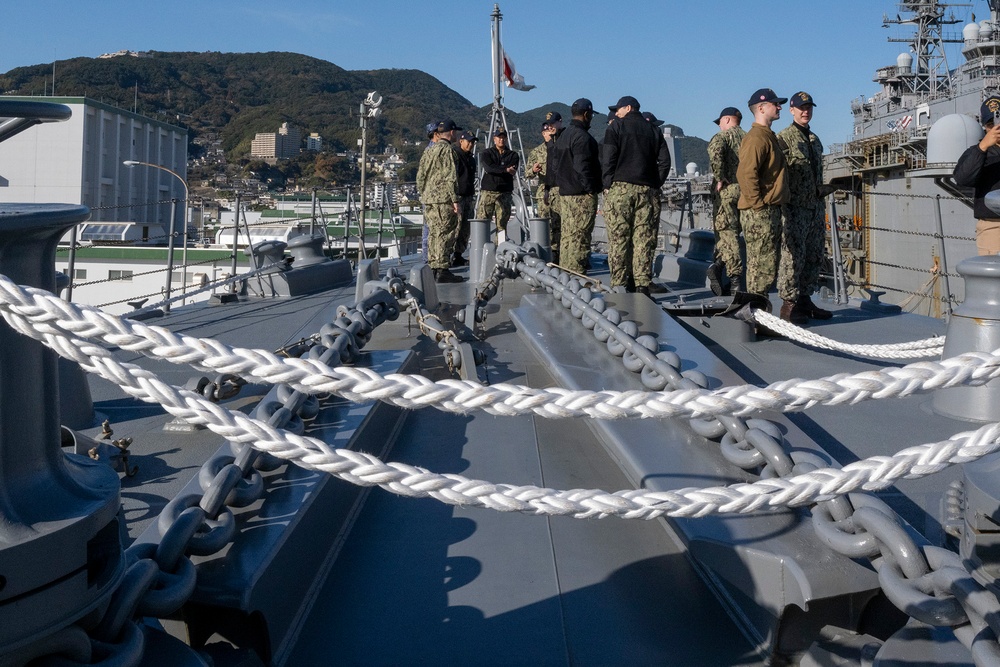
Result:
{"points": [[514, 80]]}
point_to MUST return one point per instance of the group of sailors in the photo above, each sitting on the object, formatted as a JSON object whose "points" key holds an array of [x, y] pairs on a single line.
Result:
{"points": [[629, 168], [767, 188]]}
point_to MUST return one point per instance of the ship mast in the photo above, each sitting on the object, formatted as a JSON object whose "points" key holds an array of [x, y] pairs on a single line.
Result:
{"points": [[498, 117], [931, 75]]}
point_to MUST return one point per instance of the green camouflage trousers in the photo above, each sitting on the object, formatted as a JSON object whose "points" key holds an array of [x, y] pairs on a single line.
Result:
{"points": [[803, 235], [555, 223], [761, 231], [466, 211], [628, 213], [542, 207], [443, 224], [495, 206], [727, 229], [577, 213]]}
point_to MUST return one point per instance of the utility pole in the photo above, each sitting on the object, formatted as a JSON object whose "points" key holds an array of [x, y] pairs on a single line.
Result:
{"points": [[369, 109]]}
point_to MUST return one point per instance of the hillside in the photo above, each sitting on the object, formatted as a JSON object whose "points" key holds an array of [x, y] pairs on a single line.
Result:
{"points": [[237, 95]]}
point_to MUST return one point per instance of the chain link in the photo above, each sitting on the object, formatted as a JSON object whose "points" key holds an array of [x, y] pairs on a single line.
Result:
{"points": [[910, 232], [933, 271], [875, 193]]}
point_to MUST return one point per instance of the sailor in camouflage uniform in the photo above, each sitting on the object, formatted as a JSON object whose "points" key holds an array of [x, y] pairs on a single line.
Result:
{"points": [[804, 227], [431, 129], [437, 183], [763, 189], [635, 160], [544, 195], [576, 169], [723, 159]]}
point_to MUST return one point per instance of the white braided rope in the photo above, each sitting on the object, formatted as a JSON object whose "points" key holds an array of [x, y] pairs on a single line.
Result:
{"points": [[37, 310], [406, 480], [928, 347]]}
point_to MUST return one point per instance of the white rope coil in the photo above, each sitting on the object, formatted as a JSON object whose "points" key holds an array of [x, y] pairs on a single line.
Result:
{"points": [[54, 316], [928, 347], [366, 470]]}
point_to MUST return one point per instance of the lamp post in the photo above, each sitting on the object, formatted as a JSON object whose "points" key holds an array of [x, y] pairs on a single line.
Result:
{"points": [[170, 244], [369, 109]]}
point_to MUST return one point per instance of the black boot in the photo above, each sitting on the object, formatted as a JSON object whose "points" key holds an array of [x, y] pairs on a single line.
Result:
{"points": [[811, 310], [657, 288], [714, 275], [458, 260], [446, 276]]}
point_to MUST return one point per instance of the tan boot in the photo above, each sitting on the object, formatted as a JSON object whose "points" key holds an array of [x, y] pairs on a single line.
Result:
{"points": [[790, 312]]}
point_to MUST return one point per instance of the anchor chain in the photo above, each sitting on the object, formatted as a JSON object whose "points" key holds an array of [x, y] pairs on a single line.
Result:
{"points": [[746, 443], [160, 576], [928, 583]]}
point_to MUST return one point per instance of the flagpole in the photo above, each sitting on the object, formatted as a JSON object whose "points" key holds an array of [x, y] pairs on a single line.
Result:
{"points": [[499, 119], [497, 65]]}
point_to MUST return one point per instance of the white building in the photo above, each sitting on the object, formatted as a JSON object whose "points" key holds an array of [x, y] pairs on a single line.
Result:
{"points": [[79, 161], [284, 143]]}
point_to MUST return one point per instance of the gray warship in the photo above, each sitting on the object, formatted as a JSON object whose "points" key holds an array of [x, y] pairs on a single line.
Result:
{"points": [[335, 460], [900, 215]]}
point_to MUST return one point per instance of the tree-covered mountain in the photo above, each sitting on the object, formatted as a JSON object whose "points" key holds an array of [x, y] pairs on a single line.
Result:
{"points": [[237, 95]]}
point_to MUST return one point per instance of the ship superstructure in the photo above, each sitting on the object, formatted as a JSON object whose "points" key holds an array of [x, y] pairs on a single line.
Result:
{"points": [[896, 172]]}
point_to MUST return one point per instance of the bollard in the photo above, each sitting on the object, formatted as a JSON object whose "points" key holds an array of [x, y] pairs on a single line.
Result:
{"points": [[974, 327], [693, 265], [538, 232], [60, 550]]}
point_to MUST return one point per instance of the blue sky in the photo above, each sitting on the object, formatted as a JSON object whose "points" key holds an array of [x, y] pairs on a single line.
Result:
{"points": [[683, 60]]}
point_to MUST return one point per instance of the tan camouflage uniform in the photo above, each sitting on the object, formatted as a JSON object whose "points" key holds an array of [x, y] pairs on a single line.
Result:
{"points": [[578, 213], [804, 226], [723, 159], [628, 214], [437, 183]]}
